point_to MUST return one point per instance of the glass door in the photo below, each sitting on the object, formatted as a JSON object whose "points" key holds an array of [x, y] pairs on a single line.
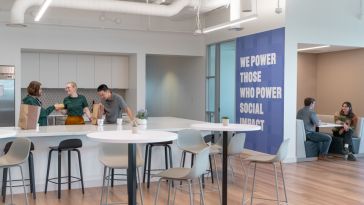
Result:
{"points": [[220, 81], [227, 80]]}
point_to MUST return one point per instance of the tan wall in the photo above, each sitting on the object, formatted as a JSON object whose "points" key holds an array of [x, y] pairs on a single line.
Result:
{"points": [[340, 77], [306, 81], [332, 78]]}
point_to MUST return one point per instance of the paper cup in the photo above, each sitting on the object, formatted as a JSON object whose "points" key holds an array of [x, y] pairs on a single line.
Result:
{"points": [[100, 122], [119, 121], [225, 122], [134, 130]]}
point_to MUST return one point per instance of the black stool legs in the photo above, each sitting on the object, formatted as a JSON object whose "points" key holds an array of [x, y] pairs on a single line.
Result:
{"points": [[148, 159], [59, 177], [80, 165]]}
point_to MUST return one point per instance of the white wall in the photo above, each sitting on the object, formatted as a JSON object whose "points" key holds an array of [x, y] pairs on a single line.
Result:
{"points": [[176, 86], [332, 22], [95, 40]]}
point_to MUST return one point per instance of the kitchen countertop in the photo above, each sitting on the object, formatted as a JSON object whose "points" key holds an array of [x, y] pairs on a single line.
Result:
{"points": [[171, 124]]}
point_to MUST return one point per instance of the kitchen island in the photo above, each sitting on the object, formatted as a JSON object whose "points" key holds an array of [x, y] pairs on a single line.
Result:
{"points": [[92, 169]]}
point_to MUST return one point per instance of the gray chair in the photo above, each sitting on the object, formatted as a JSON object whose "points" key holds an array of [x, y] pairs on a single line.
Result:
{"points": [[191, 141], [268, 159], [186, 174], [17, 155], [115, 156], [235, 148]]}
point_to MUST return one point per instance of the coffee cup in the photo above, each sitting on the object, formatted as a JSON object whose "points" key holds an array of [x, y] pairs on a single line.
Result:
{"points": [[134, 130], [100, 122], [119, 121]]}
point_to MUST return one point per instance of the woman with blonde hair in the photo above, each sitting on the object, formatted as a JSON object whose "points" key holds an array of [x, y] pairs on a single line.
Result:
{"points": [[76, 105]]}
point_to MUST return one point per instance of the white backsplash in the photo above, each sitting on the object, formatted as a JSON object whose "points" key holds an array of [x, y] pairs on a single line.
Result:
{"points": [[52, 96]]}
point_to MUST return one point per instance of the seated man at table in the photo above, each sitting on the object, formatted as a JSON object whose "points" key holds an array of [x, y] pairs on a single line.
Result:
{"points": [[311, 121], [113, 104]]}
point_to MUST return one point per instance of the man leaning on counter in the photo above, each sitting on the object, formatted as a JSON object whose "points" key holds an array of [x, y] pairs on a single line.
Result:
{"points": [[114, 104]]}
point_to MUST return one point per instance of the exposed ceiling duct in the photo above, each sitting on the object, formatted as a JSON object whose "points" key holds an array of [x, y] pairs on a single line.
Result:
{"points": [[21, 6]]}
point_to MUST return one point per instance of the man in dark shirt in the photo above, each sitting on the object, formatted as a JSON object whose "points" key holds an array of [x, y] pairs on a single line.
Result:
{"points": [[113, 104], [310, 120]]}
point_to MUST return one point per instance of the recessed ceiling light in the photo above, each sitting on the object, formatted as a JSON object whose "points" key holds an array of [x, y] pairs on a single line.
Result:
{"points": [[42, 9], [227, 24], [313, 48]]}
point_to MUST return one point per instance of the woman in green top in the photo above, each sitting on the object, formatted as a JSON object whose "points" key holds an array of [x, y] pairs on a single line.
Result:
{"points": [[34, 92], [76, 105]]}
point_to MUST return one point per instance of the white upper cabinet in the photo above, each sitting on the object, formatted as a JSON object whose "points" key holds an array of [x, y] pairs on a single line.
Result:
{"points": [[48, 70], [86, 71], [29, 68], [103, 70], [54, 70], [119, 72], [67, 69]]}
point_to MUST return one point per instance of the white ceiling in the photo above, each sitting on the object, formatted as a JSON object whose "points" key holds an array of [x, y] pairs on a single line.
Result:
{"points": [[183, 22], [332, 48]]}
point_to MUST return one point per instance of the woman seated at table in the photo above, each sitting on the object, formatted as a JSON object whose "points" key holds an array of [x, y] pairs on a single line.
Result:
{"points": [[349, 120], [76, 105], [34, 92]]}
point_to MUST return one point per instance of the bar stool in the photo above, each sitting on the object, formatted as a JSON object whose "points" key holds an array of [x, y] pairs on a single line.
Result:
{"points": [[115, 156], [16, 156], [186, 174], [148, 158], [191, 141], [69, 145], [31, 173], [268, 159]]}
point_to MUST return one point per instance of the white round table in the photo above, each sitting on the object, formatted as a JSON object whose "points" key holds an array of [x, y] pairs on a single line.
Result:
{"points": [[126, 137], [225, 130], [7, 133]]}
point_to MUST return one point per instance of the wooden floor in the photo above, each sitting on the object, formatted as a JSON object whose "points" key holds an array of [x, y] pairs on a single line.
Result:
{"points": [[333, 182]]}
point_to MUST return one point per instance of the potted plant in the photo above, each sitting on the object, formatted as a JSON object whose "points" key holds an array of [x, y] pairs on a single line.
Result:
{"points": [[225, 120], [142, 116]]}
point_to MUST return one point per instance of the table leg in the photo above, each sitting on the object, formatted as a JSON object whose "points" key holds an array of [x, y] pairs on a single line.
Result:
{"points": [[224, 167], [132, 174]]}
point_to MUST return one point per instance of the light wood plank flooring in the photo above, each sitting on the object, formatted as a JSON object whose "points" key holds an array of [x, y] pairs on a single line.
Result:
{"points": [[333, 182]]}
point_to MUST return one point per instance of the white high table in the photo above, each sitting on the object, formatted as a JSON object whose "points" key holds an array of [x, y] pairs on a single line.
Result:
{"points": [[127, 137], [225, 130]]}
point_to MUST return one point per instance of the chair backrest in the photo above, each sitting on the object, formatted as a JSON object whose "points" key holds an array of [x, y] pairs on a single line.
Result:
{"points": [[19, 151], [236, 144], [189, 137], [117, 150], [300, 139], [111, 149], [200, 165], [300, 129], [359, 130], [283, 150], [8, 145]]}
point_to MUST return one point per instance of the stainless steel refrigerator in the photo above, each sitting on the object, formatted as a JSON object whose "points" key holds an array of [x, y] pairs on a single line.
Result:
{"points": [[7, 96]]}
